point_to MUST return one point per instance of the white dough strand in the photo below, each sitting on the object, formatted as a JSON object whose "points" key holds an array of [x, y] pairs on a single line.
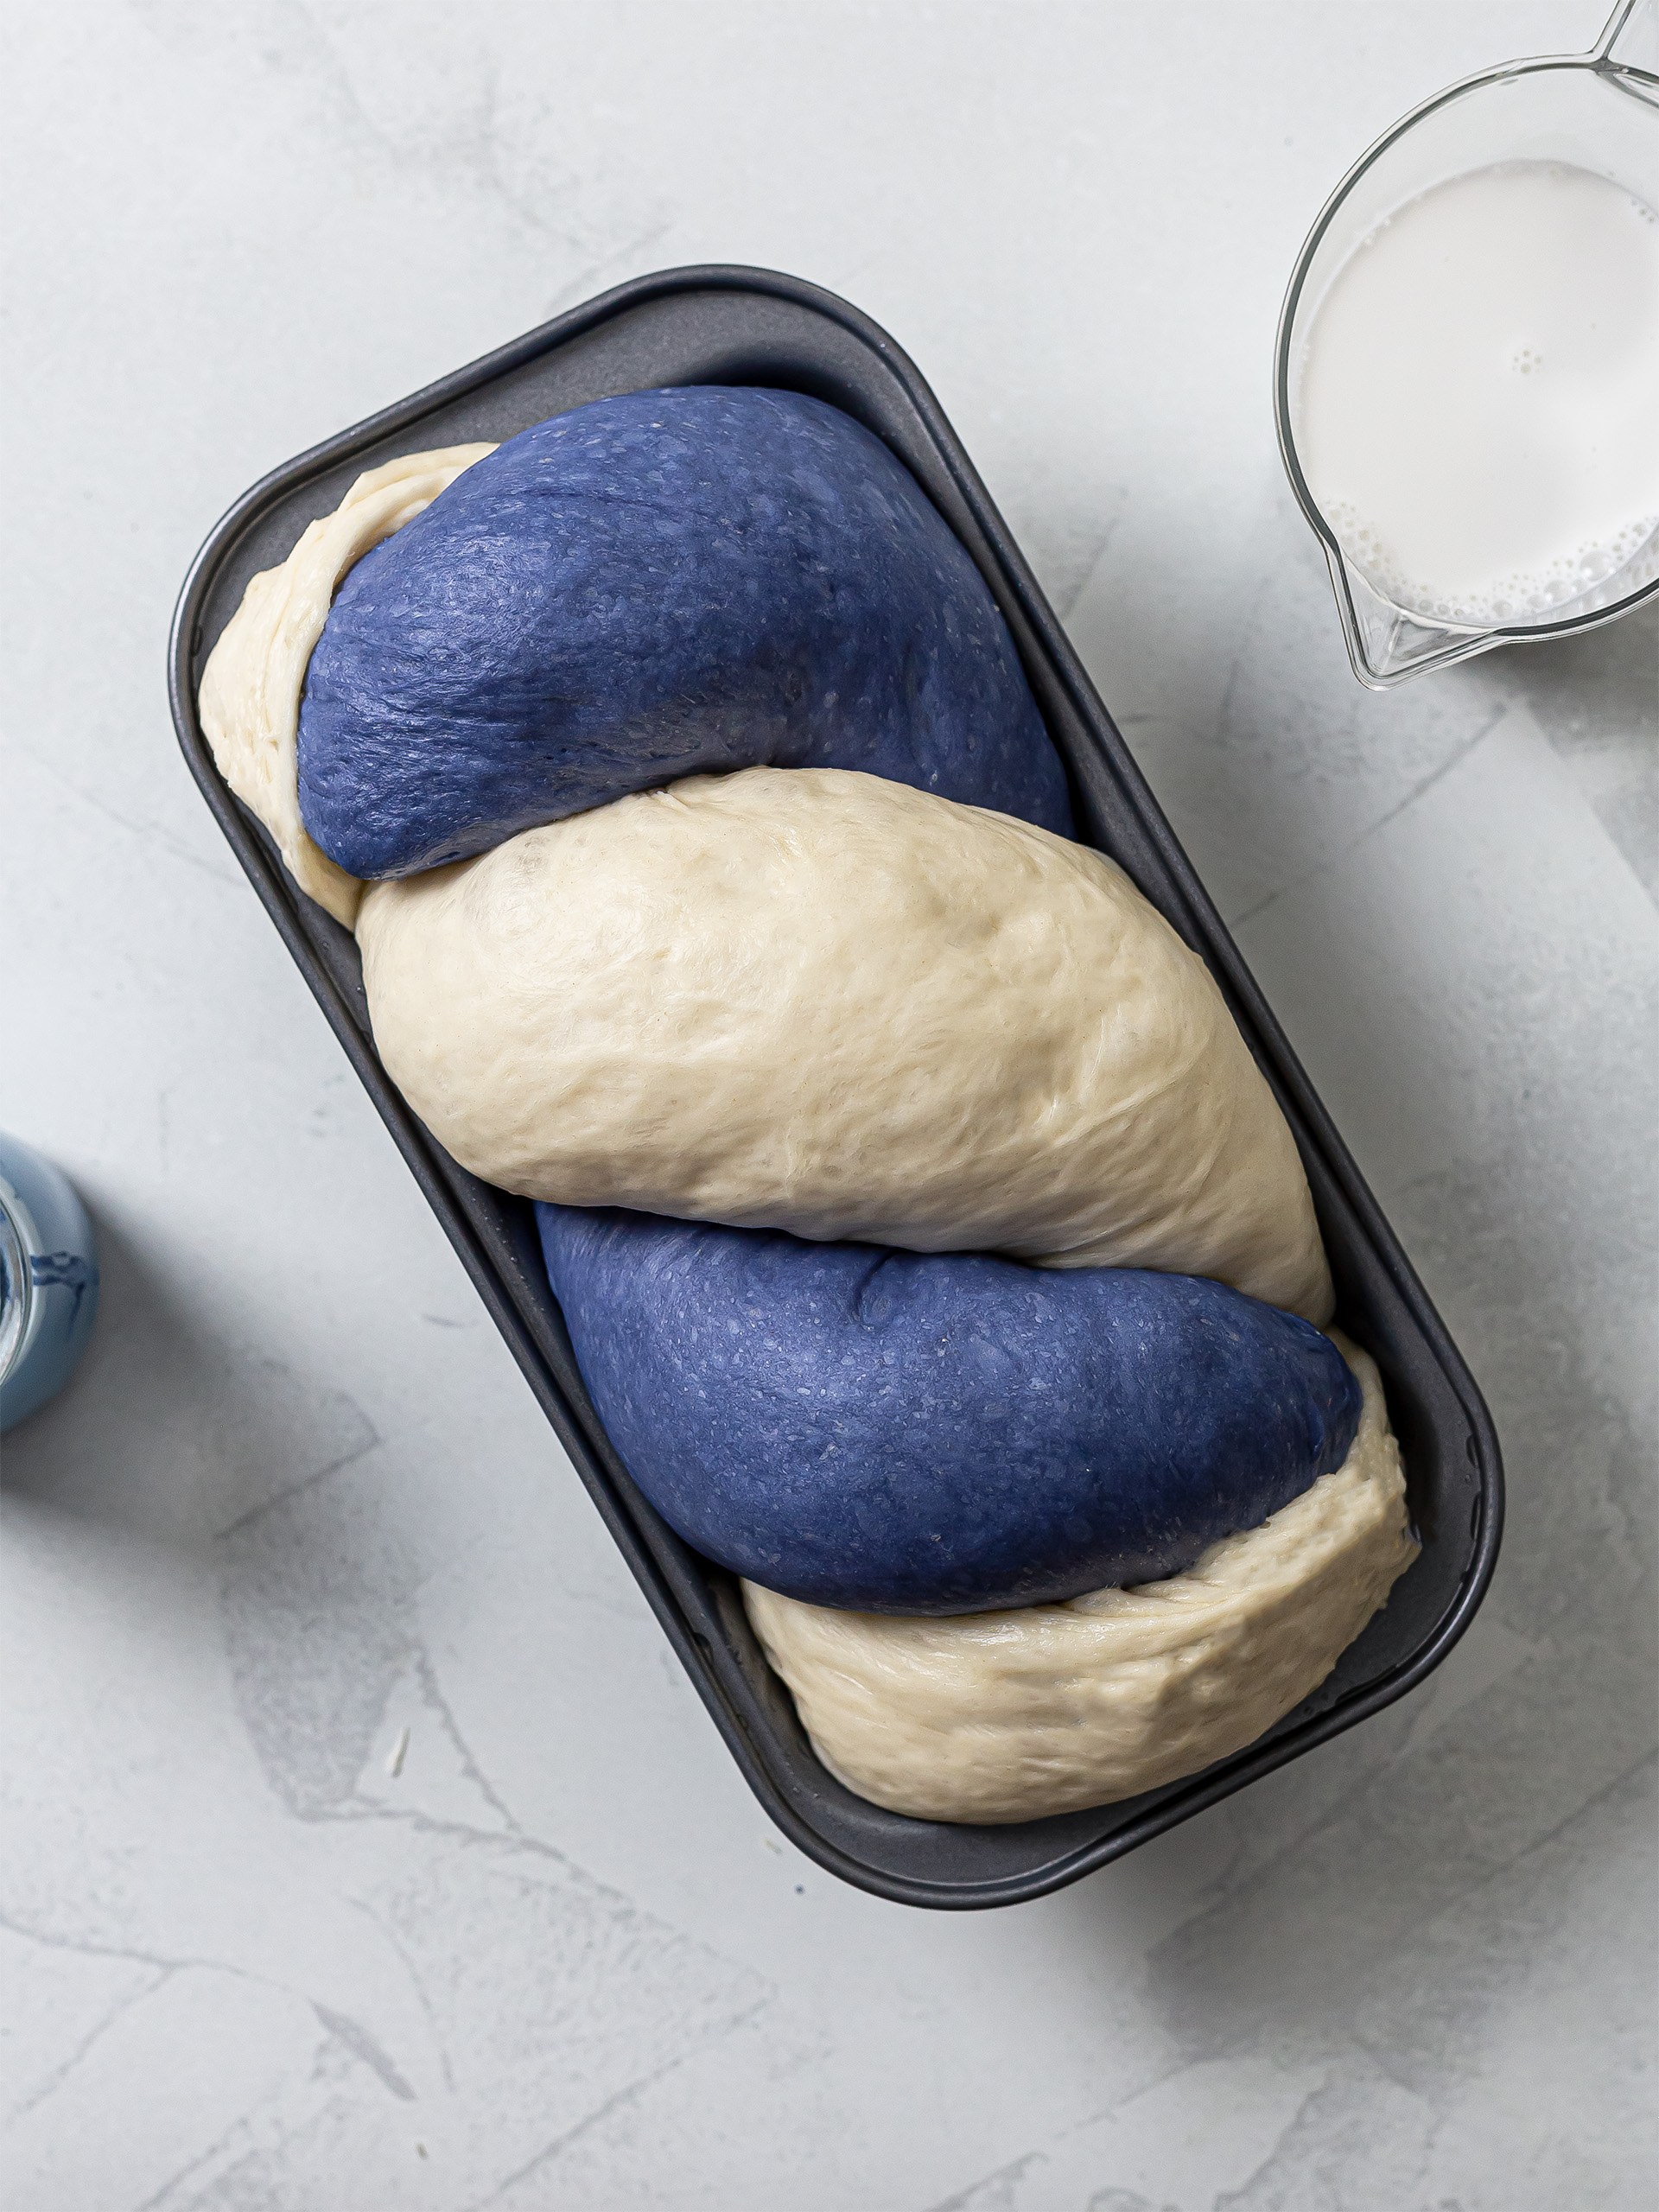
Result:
{"points": [[815, 1000]]}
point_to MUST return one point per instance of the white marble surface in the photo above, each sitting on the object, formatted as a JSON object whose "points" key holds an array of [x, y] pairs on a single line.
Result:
{"points": [[298, 1500]]}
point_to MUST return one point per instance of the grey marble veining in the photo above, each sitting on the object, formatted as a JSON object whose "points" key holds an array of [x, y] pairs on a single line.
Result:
{"points": [[365, 1845]]}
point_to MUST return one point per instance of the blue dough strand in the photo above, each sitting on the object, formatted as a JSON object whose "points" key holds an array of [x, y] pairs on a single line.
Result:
{"points": [[652, 587], [894, 1431]]}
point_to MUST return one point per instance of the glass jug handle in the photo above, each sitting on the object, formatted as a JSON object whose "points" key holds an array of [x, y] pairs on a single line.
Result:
{"points": [[1630, 40]]}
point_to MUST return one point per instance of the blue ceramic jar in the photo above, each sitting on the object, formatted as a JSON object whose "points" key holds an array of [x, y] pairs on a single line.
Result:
{"points": [[48, 1280]]}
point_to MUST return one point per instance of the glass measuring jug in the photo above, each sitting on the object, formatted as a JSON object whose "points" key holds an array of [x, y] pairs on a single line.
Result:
{"points": [[1595, 112]]}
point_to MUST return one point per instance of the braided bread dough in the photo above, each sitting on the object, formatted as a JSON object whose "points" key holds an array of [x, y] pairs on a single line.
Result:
{"points": [[817, 1000], [820, 1001], [1013, 1716]]}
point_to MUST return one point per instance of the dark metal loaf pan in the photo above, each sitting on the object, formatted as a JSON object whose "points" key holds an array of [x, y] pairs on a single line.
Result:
{"points": [[747, 325]]}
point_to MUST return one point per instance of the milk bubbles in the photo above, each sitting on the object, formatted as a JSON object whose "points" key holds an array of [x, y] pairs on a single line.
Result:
{"points": [[1478, 413]]}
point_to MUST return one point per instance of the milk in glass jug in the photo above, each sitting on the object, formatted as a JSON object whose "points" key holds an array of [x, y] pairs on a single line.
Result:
{"points": [[1467, 377]]}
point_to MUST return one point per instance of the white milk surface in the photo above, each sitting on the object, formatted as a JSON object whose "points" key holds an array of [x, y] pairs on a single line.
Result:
{"points": [[1479, 410]]}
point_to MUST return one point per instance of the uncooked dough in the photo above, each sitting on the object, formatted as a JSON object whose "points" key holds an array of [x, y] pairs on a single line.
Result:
{"points": [[1013, 1716], [656, 585], [938, 1432], [251, 688], [817, 1000]]}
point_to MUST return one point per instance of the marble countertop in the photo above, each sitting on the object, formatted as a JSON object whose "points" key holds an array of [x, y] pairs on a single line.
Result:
{"points": [[368, 1848]]}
